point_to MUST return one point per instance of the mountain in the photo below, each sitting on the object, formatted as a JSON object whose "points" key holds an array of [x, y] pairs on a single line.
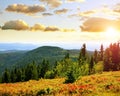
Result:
{"points": [[49, 53], [11, 58]]}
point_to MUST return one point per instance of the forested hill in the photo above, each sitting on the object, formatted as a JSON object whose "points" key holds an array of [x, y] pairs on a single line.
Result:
{"points": [[8, 59], [49, 53]]}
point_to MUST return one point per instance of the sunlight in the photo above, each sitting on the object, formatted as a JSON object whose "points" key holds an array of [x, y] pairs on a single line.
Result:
{"points": [[111, 32]]}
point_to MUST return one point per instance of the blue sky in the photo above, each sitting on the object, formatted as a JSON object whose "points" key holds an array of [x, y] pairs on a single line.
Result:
{"points": [[64, 23]]}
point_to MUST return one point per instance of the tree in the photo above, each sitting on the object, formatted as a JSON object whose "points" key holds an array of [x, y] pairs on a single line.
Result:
{"points": [[70, 77], [19, 75], [95, 56], [101, 53], [91, 65], [34, 72], [112, 58], [31, 72], [82, 55], [44, 68], [13, 76], [67, 56], [6, 76]]}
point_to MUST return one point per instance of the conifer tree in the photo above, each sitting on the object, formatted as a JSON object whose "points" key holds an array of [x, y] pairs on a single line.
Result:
{"points": [[91, 65], [95, 56], [34, 72], [44, 68], [82, 55], [70, 77], [6, 76], [101, 53]]}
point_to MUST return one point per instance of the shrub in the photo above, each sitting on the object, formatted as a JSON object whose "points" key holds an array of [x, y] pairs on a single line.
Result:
{"points": [[70, 77], [50, 74]]}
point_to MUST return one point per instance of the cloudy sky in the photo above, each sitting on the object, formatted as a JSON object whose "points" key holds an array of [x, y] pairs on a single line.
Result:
{"points": [[64, 23]]}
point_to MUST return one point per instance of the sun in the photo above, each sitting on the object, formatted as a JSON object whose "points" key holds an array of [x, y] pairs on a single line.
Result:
{"points": [[111, 32]]}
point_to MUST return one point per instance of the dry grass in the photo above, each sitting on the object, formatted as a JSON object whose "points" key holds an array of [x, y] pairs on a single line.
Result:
{"points": [[105, 84]]}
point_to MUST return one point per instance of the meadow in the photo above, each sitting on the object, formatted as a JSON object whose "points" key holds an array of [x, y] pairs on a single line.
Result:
{"points": [[104, 84]]}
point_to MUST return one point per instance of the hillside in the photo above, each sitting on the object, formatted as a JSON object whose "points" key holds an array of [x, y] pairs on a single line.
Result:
{"points": [[105, 84], [49, 53], [8, 59]]}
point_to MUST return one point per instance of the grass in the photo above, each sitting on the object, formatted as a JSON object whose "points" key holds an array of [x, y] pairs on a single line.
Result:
{"points": [[105, 84]]}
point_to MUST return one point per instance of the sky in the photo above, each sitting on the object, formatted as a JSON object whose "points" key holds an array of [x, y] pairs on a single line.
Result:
{"points": [[64, 23]]}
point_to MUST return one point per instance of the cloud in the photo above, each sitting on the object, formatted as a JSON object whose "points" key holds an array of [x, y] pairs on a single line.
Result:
{"points": [[52, 3], [21, 25], [62, 11], [21, 8], [38, 27], [75, 1], [68, 30], [52, 28], [16, 25], [98, 24], [117, 8], [87, 13], [83, 15], [47, 14]]}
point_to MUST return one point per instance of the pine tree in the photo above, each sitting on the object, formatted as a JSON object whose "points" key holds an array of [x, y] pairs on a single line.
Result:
{"points": [[70, 77], [19, 75], [6, 76], [91, 65], [95, 56], [34, 72], [31, 72], [82, 55], [67, 56], [101, 53], [44, 67]]}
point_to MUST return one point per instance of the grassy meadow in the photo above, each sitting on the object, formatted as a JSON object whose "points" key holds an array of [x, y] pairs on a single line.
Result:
{"points": [[104, 84]]}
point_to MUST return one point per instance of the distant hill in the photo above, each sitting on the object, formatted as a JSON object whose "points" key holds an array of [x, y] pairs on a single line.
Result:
{"points": [[9, 59], [50, 53]]}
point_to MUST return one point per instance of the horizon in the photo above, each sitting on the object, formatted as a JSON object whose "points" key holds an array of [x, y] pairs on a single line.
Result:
{"points": [[28, 46]]}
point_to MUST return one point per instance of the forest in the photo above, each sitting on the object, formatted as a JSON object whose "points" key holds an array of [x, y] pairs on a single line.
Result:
{"points": [[104, 59]]}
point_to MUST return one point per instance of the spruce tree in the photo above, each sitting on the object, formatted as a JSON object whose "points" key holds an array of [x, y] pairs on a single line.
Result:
{"points": [[82, 55], [44, 68], [34, 72], [70, 77], [91, 65], [6, 76]]}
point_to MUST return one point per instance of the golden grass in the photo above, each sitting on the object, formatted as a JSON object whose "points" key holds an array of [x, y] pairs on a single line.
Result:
{"points": [[105, 84]]}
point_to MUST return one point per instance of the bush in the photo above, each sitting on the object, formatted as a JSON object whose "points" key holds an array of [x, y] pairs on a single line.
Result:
{"points": [[50, 74], [70, 77], [41, 92], [99, 67]]}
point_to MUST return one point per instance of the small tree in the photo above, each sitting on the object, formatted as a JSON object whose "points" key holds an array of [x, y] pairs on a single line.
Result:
{"points": [[6, 76], [91, 65], [70, 77]]}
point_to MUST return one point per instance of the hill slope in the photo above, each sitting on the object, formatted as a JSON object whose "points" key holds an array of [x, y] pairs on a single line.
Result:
{"points": [[21, 58], [105, 84], [8, 58], [50, 53]]}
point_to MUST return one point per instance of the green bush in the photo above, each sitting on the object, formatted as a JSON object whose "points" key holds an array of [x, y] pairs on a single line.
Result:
{"points": [[50, 74], [99, 67], [70, 77]]}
